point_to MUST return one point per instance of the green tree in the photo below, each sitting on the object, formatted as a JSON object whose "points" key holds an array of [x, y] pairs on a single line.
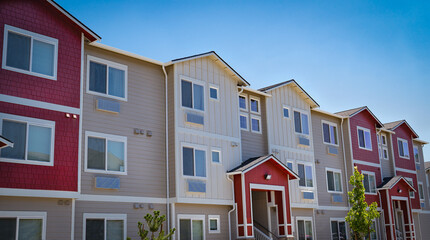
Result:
{"points": [[360, 217], [154, 223]]}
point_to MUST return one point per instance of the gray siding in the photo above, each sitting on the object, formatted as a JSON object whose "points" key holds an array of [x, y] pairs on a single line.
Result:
{"points": [[421, 175], [172, 134], [387, 165], [323, 223]]}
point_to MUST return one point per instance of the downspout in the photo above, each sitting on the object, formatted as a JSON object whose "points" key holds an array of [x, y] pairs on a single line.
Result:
{"points": [[344, 160], [234, 207], [167, 149]]}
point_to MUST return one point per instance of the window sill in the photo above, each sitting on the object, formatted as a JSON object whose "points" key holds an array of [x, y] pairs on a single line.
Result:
{"points": [[192, 109], [106, 96], [105, 172], [30, 73], [367, 149], [407, 158], [29, 162], [331, 144], [335, 192], [372, 194], [194, 177]]}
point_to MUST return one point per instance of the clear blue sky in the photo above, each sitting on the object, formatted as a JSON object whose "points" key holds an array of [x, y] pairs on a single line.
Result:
{"points": [[344, 53]]}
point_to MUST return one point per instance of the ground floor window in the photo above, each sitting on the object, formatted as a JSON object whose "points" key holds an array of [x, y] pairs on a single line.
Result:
{"points": [[22, 225], [191, 227], [338, 229], [99, 226], [374, 234], [304, 229]]}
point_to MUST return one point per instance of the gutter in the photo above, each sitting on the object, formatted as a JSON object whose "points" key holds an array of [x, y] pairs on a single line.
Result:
{"points": [[233, 209], [344, 160]]}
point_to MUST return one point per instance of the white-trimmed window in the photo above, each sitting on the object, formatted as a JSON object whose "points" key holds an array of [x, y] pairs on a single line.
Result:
{"points": [[214, 223], [22, 225], [213, 92], [411, 182], [373, 234], [191, 227], [30, 53], [416, 154], [192, 95], [106, 153], [305, 175], [33, 140], [364, 138], [334, 180], [403, 148], [244, 122], [286, 112], [216, 155], [243, 102], [301, 123], [421, 191], [385, 153], [106, 78], [254, 105], [304, 228], [290, 165], [193, 161], [384, 139], [338, 229], [104, 226], [369, 182], [329, 133], [255, 124]]}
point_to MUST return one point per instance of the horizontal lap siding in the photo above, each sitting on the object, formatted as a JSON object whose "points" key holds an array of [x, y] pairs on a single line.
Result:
{"points": [[323, 223], [378, 178], [172, 134], [403, 132], [364, 119], [415, 201], [421, 175]]}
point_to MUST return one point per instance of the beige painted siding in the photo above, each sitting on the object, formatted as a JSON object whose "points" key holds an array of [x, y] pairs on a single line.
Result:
{"points": [[421, 175], [145, 109], [423, 225], [59, 217], [387, 165], [323, 223], [172, 134]]}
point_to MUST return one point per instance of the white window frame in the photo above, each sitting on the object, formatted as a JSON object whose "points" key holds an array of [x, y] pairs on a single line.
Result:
{"points": [[105, 217], [364, 135], [212, 86], [259, 124], [218, 150], [26, 215], [194, 147], [115, 138], [33, 36], [292, 164], [247, 122], [313, 175], [418, 150], [217, 218], [338, 220], [108, 64], [411, 181], [422, 187], [374, 176], [257, 99], [383, 156], [383, 135], [34, 122], [334, 170], [304, 219], [191, 217], [289, 112], [333, 125], [301, 125], [398, 150], [246, 102]]}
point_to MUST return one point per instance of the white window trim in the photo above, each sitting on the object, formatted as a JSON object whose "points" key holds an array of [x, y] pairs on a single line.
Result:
{"points": [[32, 35], [333, 125], [194, 147], [258, 104], [247, 122], [386, 149], [358, 138], [338, 220], [334, 170], [374, 176], [209, 93], [301, 111], [259, 124], [107, 137], [246, 102], [26, 215], [289, 112], [418, 150], [191, 217], [34, 122], [217, 218], [383, 135], [305, 219], [411, 181], [215, 149], [193, 81], [398, 150], [292, 164], [109, 64], [313, 175], [423, 195], [105, 217]]}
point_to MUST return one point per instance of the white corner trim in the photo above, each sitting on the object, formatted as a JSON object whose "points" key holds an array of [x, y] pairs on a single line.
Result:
{"points": [[39, 104]]}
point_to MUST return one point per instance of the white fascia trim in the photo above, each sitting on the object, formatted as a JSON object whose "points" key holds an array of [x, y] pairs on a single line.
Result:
{"points": [[399, 198], [128, 199], [267, 187], [39, 104], [304, 205], [205, 201], [206, 134], [255, 91], [406, 170], [332, 208], [327, 113], [15, 192], [129, 54], [378, 165], [293, 150]]}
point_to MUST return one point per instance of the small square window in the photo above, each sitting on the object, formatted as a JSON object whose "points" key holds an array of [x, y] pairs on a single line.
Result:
{"points": [[213, 93], [255, 125], [255, 105], [216, 156], [290, 165], [243, 102], [214, 224], [286, 112], [244, 122]]}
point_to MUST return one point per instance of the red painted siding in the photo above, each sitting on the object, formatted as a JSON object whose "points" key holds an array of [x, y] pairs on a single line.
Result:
{"points": [[414, 201], [40, 17], [405, 133], [364, 119], [371, 198]]}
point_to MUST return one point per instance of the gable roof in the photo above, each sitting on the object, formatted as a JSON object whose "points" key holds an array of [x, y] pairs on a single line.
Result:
{"points": [[206, 54], [390, 182], [306, 96], [393, 125], [254, 162], [352, 112]]}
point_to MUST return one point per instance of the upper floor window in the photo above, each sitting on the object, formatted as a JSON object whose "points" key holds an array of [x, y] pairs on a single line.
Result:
{"points": [[286, 112], [106, 153], [255, 124], [216, 156], [403, 148], [213, 92], [244, 122], [411, 182], [243, 105], [33, 140], [330, 133], [254, 105], [192, 95], [416, 154], [105, 226], [364, 138], [334, 182], [30, 53], [194, 162], [301, 124], [22, 225], [421, 191], [106, 78], [305, 175], [384, 139], [369, 182]]}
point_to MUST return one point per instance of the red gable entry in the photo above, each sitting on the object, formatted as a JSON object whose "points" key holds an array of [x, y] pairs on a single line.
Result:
{"points": [[261, 193]]}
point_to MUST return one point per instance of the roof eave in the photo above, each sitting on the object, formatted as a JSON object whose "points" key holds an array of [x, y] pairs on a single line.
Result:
{"points": [[313, 104], [254, 91]]}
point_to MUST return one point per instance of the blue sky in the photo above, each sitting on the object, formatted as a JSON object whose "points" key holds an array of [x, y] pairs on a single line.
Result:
{"points": [[344, 53]]}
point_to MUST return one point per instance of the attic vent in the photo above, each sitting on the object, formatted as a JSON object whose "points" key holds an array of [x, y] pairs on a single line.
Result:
{"points": [[107, 105]]}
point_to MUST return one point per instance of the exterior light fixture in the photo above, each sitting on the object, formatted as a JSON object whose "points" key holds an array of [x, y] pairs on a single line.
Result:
{"points": [[399, 190], [267, 176]]}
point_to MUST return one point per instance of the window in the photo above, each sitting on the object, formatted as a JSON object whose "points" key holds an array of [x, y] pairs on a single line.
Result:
{"points": [[364, 139], [385, 153], [384, 139], [192, 95], [416, 155], [22, 225], [421, 191], [214, 224], [373, 234], [411, 182], [216, 156], [213, 92], [30, 53], [334, 180], [338, 229], [301, 124], [33, 140], [290, 165], [369, 182], [191, 227], [98, 226], [243, 105], [255, 124], [254, 105], [304, 229], [305, 175], [106, 78], [243, 122], [403, 148], [286, 112], [194, 162], [106, 153], [330, 133]]}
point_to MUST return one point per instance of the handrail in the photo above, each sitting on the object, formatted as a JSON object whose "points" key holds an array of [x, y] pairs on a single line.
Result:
{"points": [[259, 235], [274, 236]]}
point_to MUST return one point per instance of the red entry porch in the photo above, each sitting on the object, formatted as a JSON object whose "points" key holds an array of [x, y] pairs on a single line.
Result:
{"points": [[264, 181]]}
